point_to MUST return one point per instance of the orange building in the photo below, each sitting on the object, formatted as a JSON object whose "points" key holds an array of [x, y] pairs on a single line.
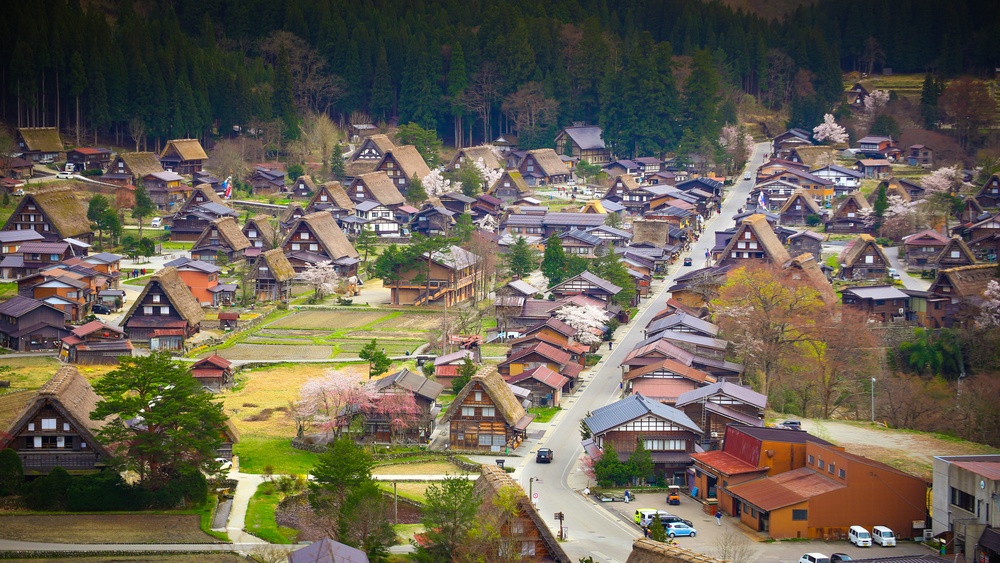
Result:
{"points": [[198, 276]]}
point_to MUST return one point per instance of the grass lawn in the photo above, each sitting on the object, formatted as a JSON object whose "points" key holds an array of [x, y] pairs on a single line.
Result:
{"points": [[425, 468], [177, 245], [413, 491], [260, 516], [405, 532], [544, 414], [257, 452], [105, 528], [31, 373], [8, 290]]}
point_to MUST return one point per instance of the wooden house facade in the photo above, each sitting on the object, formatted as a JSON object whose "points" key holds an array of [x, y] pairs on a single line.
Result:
{"points": [[201, 208], [367, 156], [988, 195], [131, 167], [486, 416], [222, 240], [954, 254], [425, 392], [798, 209], [585, 142], [715, 406], [29, 325], [267, 181], [543, 167], [863, 259], [754, 240], [316, 238], [332, 197], [964, 288], [510, 187], [213, 372], [587, 284], [88, 158], [848, 217], [546, 386], [449, 279], [183, 156], [52, 427], [95, 343], [166, 189], [260, 232], [806, 242], [165, 314], [38, 144], [922, 247], [401, 165], [273, 275], [55, 214]]}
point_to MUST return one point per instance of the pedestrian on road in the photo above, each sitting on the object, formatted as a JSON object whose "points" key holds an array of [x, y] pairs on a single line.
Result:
{"points": [[645, 531], [718, 517], [609, 344], [628, 496]]}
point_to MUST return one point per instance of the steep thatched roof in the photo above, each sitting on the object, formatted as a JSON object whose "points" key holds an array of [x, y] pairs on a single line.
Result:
{"points": [[382, 188], [651, 551], [355, 168], [515, 179], [41, 139], [805, 267], [67, 214], [328, 234], [265, 229], [954, 244], [856, 249], [805, 198], [307, 181], [857, 198], [492, 480], [281, 269], [68, 392], [177, 293], [473, 154], [499, 392], [409, 160], [335, 195], [289, 211], [549, 161], [764, 234], [187, 149], [229, 233], [209, 194], [965, 281], [141, 164]]}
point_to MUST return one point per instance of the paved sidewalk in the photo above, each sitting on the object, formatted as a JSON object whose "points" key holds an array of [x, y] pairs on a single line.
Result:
{"points": [[246, 486]]}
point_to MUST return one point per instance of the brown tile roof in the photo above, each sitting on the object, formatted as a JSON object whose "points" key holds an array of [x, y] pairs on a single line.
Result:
{"points": [[936, 238], [42, 139], [547, 351], [805, 198], [177, 293], [543, 375], [784, 489], [63, 209], [281, 269], [661, 348], [328, 234], [382, 188], [141, 164], [229, 233], [496, 388], [672, 365], [725, 462], [409, 160], [549, 162], [769, 242], [187, 149]]}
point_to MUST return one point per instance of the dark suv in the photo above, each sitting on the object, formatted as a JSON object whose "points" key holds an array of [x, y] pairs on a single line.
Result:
{"points": [[792, 425], [99, 309], [544, 455], [670, 519]]}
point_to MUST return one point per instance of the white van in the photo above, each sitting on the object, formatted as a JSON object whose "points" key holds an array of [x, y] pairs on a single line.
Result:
{"points": [[156, 222], [814, 558], [859, 536], [883, 536], [646, 516]]}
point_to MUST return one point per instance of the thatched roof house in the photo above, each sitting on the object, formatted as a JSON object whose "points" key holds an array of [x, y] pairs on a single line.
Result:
{"points": [[260, 232], [760, 244], [497, 415], [469, 155], [164, 308], [377, 186], [316, 238], [273, 275], [54, 213], [67, 399], [651, 551], [224, 236]]}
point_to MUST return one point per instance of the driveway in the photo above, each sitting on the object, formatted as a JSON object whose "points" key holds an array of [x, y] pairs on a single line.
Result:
{"points": [[909, 282]]}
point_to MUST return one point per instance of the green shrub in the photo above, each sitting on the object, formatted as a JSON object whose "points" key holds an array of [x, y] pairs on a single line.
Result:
{"points": [[94, 172], [102, 491], [883, 241], [11, 473], [813, 220], [49, 492]]}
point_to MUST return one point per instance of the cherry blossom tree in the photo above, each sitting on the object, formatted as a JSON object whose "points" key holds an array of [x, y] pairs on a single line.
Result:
{"points": [[830, 131], [322, 277], [436, 184], [989, 312], [943, 180], [875, 104], [588, 320], [397, 406], [333, 398], [489, 175], [737, 144]]}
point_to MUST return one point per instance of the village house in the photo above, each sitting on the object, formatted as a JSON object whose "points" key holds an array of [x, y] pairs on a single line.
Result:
{"points": [[56, 214], [681, 322], [446, 366], [199, 277], [165, 314], [966, 487], [509, 187], [166, 189], [538, 354], [332, 197], [964, 286], [131, 167], [376, 186], [67, 291], [402, 164], [88, 158], [197, 213], [486, 416], [221, 241], [984, 238], [845, 180], [777, 166], [652, 350], [834, 491], [183, 156], [791, 139], [522, 528], [799, 209], [267, 181], [579, 243], [543, 167], [468, 156], [95, 343], [874, 167], [273, 275], [367, 156], [819, 188], [51, 427], [449, 279], [218, 186], [584, 142], [855, 96], [433, 220], [923, 246], [213, 372], [667, 433], [303, 187], [625, 189], [487, 205], [15, 169], [664, 380], [379, 427], [316, 238], [748, 453], [29, 325], [715, 406], [611, 236], [954, 255], [586, 283], [259, 231], [378, 218], [457, 202], [849, 216], [554, 223], [806, 242], [988, 195], [873, 144], [754, 241], [863, 259], [920, 155], [33, 256], [38, 144], [546, 386], [292, 213], [881, 303]]}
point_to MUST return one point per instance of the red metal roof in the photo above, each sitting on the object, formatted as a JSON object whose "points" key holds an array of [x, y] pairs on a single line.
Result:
{"points": [[725, 463], [446, 371], [542, 374], [988, 469], [168, 332], [784, 489]]}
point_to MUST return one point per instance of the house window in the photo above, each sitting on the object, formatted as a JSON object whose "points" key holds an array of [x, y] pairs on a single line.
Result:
{"points": [[832, 465], [746, 235], [164, 310], [963, 500], [295, 246], [841, 473], [821, 464], [402, 181], [65, 427], [869, 259], [488, 411], [252, 233], [517, 527], [812, 459], [800, 515], [479, 396], [322, 197], [314, 247], [48, 424], [304, 236], [147, 310], [954, 254], [468, 411], [528, 548], [31, 427], [156, 298]]}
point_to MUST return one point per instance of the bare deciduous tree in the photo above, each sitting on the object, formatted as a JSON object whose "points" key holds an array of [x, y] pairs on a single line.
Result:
{"points": [[482, 94], [734, 546], [229, 157], [315, 88], [137, 130]]}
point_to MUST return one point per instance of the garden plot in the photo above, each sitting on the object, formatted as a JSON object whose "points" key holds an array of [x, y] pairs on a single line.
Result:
{"points": [[332, 320], [386, 335], [289, 352], [350, 348], [105, 528], [410, 321]]}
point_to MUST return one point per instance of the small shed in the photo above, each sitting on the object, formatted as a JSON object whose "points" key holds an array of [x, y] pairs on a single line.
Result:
{"points": [[229, 320], [213, 372]]}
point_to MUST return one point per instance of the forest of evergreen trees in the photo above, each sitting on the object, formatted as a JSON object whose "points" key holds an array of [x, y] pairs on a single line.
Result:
{"points": [[468, 68]]}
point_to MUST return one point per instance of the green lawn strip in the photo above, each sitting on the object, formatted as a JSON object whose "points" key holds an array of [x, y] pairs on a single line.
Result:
{"points": [[8, 290], [405, 532], [240, 336], [544, 414], [257, 452], [205, 513], [177, 245], [260, 517]]}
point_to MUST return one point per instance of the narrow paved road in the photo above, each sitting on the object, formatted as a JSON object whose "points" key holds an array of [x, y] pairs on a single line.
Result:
{"points": [[909, 282], [593, 531]]}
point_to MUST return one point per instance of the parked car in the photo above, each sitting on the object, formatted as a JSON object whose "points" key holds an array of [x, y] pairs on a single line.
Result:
{"points": [[814, 558], [667, 519], [687, 261], [859, 536], [680, 529], [892, 273], [544, 455], [643, 516], [64, 175], [883, 536], [791, 424], [156, 223], [99, 309], [840, 557], [746, 175]]}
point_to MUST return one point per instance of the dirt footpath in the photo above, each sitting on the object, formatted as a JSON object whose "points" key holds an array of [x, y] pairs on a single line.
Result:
{"points": [[912, 452]]}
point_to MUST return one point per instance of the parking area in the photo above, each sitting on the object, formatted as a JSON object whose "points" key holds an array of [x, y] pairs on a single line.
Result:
{"points": [[712, 537]]}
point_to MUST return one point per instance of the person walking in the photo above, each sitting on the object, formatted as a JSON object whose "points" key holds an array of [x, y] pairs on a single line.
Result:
{"points": [[718, 517]]}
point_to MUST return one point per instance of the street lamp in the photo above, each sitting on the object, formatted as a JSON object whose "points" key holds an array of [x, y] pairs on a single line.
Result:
{"points": [[873, 400]]}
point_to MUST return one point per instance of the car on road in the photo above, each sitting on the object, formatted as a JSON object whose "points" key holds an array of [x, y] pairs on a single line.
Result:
{"points": [[746, 176], [64, 175], [814, 558], [680, 529], [544, 455], [687, 261], [837, 557], [99, 309], [156, 223]]}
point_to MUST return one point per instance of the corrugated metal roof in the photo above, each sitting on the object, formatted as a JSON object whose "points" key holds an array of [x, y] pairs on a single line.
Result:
{"points": [[587, 137], [988, 469], [726, 463], [633, 407], [785, 489], [876, 292], [739, 392]]}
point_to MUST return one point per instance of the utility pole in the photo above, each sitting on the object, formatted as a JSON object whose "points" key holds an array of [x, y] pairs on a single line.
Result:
{"points": [[873, 400]]}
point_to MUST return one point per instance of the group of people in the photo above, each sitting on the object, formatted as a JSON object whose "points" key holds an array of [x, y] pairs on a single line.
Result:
{"points": [[135, 273]]}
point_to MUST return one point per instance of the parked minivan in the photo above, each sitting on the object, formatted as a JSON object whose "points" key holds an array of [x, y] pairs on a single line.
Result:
{"points": [[814, 558], [644, 516], [156, 222], [883, 536], [859, 536]]}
